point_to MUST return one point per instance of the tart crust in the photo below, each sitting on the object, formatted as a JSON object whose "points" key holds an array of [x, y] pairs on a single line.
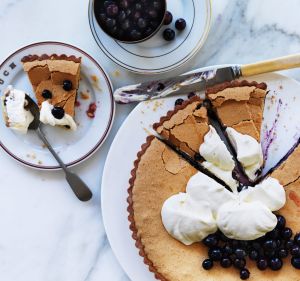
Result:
{"points": [[166, 257]]}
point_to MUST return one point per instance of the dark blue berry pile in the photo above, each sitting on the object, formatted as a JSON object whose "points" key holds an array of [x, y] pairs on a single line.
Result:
{"points": [[267, 251], [130, 20]]}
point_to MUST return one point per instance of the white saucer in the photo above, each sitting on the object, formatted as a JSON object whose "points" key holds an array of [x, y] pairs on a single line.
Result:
{"points": [[157, 55], [282, 104], [73, 147]]}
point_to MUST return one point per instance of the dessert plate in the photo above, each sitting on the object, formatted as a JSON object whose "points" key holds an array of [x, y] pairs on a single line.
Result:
{"points": [[280, 131], [157, 55], [73, 147]]}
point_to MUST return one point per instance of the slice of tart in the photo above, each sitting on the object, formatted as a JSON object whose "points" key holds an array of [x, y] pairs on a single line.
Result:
{"points": [[158, 174], [55, 81], [185, 126], [188, 129], [239, 107]]}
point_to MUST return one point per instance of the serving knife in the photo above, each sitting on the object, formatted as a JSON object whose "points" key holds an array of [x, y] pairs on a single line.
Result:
{"points": [[200, 80]]}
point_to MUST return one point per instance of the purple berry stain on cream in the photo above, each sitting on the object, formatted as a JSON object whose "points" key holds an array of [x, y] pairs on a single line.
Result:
{"points": [[270, 135]]}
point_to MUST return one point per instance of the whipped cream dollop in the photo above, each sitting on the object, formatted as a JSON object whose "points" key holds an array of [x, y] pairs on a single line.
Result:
{"points": [[249, 152], [219, 161], [207, 205], [17, 117], [47, 117], [186, 220]]}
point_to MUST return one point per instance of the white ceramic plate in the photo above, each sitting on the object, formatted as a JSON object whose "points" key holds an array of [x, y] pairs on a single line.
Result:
{"points": [[156, 55], [73, 147], [282, 104]]}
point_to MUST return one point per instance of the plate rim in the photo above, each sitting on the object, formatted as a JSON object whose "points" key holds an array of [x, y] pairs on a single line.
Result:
{"points": [[155, 71], [108, 127], [105, 170]]}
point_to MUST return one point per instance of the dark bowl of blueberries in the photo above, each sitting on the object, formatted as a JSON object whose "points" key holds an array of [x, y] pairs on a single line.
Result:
{"points": [[130, 21]]}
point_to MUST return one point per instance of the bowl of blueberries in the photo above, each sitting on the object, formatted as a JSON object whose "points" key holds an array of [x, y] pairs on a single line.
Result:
{"points": [[135, 21]]}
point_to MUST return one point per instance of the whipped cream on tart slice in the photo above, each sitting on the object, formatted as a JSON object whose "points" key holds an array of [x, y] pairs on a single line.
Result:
{"points": [[55, 81], [239, 107], [17, 117]]}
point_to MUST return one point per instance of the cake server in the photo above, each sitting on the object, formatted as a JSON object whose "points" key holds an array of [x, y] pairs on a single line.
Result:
{"points": [[199, 80], [79, 188]]}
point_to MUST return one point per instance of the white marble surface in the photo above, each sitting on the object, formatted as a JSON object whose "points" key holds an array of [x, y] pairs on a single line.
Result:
{"points": [[46, 234]]}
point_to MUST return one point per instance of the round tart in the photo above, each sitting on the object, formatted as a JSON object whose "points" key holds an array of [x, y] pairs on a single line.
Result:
{"points": [[160, 172]]}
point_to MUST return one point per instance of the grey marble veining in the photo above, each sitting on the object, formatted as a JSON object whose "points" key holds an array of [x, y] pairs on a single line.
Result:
{"points": [[51, 237]]}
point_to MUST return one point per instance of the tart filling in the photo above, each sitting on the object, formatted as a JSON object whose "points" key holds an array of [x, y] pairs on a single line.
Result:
{"points": [[17, 117]]}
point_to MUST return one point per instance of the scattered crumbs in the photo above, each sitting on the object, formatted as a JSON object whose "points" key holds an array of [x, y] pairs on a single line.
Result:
{"points": [[77, 103], [95, 83], [116, 73], [273, 99], [268, 107], [40, 162], [91, 110], [280, 87], [84, 95], [147, 101], [147, 131], [44, 146], [142, 111], [31, 155], [157, 104]]}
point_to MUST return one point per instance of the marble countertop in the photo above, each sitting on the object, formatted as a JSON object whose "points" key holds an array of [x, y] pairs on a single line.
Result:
{"points": [[45, 234]]}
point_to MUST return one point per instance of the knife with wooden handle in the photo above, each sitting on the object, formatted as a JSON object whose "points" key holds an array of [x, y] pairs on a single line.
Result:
{"points": [[198, 81]]}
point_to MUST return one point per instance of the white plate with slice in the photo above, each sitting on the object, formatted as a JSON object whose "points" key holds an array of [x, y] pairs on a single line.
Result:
{"points": [[72, 146], [281, 125], [157, 55]]}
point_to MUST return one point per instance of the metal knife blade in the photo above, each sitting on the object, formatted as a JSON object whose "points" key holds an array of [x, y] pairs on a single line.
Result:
{"points": [[176, 85]]}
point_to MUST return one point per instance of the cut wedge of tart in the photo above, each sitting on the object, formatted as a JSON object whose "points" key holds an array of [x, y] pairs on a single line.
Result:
{"points": [[55, 80], [239, 107]]}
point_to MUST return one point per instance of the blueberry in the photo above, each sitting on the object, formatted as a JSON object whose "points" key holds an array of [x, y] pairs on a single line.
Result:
{"points": [[112, 10], [234, 243], [207, 264], [269, 245], [141, 23], [275, 263], [221, 235], [110, 23], [157, 5], [240, 253], [180, 24], [210, 241], [107, 3], [270, 253], [67, 85], [295, 251], [154, 24], [179, 102], [102, 17], [225, 262], [152, 13], [227, 250], [126, 24], [58, 112], [135, 34], [46, 94], [283, 253], [169, 34], [289, 244], [160, 87], [121, 16], [296, 262], [244, 273], [124, 4], [286, 233], [190, 95], [274, 234], [297, 239], [280, 222], [256, 245], [215, 254], [128, 12], [136, 15], [148, 31], [262, 264], [138, 6], [253, 255], [168, 18], [239, 263]]}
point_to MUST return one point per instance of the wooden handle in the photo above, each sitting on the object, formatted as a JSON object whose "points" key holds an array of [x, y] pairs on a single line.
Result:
{"points": [[282, 63]]}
